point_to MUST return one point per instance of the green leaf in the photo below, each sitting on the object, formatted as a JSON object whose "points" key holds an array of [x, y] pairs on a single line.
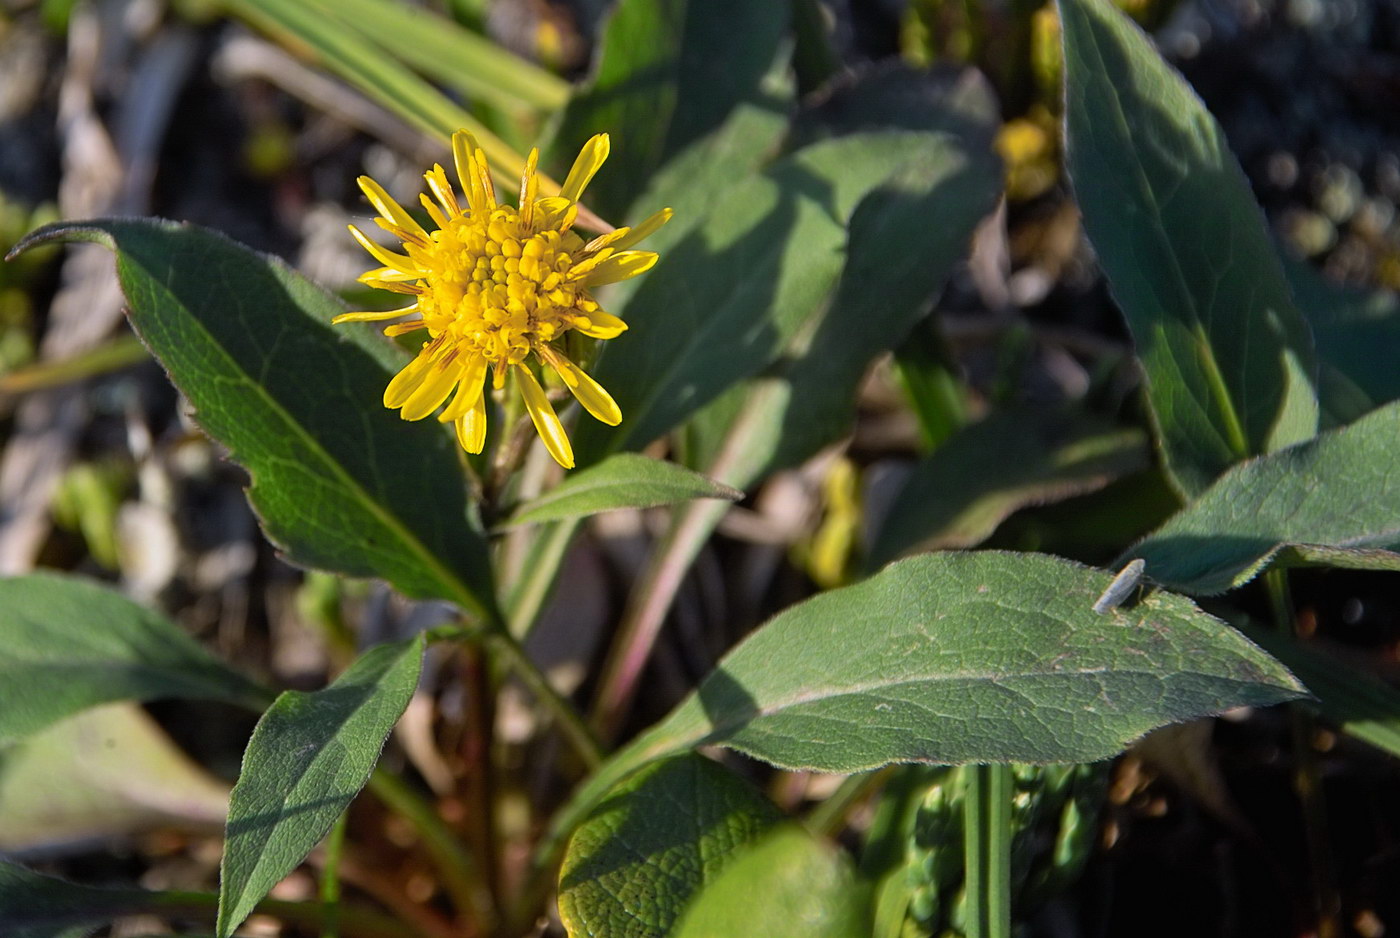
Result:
{"points": [[1228, 359], [640, 856], [1354, 329], [787, 885], [1333, 500], [659, 85], [339, 481], [970, 657], [70, 644], [729, 298], [959, 657], [33, 905], [309, 756], [957, 495], [626, 480]]}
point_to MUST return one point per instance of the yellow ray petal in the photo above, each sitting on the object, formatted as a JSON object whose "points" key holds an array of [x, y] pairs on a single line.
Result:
{"points": [[545, 419], [433, 211], [529, 189], [590, 158], [442, 190], [433, 390], [374, 316], [619, 266], [397, 263], [645, 230], [404, 328], [590, 393], [390, 209], [463, 145], [469, 389], [471, 427], [600, 324], [407, 380]]}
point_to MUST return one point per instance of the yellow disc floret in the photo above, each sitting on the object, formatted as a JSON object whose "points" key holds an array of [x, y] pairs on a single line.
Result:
{"points": [[495, 285]]}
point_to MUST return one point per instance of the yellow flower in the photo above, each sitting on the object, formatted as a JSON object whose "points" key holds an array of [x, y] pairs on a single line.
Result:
{"points": [[495, 285]]}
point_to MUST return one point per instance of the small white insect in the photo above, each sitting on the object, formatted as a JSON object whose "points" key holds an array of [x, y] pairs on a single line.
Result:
{"points": [[1123, 584]]}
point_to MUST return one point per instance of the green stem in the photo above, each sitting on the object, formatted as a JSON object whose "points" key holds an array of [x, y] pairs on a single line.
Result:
{"points": [[330, 879], [987, 850], [462, 878], [1307, 777]]}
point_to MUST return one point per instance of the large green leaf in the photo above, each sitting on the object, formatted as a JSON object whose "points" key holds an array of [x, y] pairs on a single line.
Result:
{"points": [[309, 756], [957, 495], [787, 885], [626, 480], [960, 657], [1228, 358], [69, 644], [659, 84], [727, 300], [1334, 500], [641, 855], [339, 481]]}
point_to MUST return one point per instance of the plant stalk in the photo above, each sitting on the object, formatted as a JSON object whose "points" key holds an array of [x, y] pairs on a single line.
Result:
{"points": [[987, 850]]}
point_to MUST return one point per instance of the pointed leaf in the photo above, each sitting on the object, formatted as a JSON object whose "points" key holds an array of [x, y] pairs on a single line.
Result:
{"points": [[1227, 357], [338, 481], [959, 657], [789, 884], [309, 756], [970, 657], [958, 495], [641, 855], [626, 480], [69, 644], [33, 905], [1333, 500]]}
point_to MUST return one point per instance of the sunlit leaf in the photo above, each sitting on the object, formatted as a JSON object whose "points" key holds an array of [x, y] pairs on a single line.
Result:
{"points": [[626, 480], [643, 853], [789, 884], [338, 481], [1333, 501]]}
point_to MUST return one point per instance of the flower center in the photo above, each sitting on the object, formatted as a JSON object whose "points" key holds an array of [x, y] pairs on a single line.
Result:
{"points": [[499, 288]]}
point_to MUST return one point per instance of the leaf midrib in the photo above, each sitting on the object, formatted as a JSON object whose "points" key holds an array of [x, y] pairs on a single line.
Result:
{"points": [[1235, 436], [457, 589]]}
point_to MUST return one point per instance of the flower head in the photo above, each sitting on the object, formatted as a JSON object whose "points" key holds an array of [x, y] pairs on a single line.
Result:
{"points": [[496, 287]]}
